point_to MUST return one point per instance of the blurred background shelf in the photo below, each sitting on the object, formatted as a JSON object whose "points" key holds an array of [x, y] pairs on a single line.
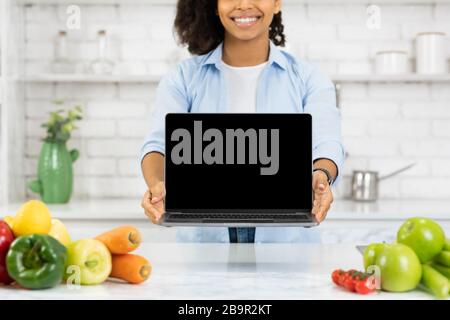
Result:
{"points": [[165, 2], [91, 78], [341, 78], [342, 210], [390, 78]]}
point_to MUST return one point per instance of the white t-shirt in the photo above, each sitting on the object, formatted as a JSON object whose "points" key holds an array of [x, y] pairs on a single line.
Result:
{"points": [[242, 83]]}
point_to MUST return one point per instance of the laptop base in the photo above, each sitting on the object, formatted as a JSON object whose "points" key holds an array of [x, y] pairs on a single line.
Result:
{"points": [[238, 220]]}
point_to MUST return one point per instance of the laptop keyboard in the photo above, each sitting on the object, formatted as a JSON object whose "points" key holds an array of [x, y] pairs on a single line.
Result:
{"points": [[237, 217]]}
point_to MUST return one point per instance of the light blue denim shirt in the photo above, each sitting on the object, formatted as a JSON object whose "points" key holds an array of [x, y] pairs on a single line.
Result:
{"points": [[286, 85]]}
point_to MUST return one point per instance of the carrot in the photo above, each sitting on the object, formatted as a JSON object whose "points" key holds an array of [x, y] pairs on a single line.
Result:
{"points": [[131, 268], [121, 240]]}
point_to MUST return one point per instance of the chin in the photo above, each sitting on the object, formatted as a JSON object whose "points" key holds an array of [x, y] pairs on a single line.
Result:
{"points": [[245, 36]]}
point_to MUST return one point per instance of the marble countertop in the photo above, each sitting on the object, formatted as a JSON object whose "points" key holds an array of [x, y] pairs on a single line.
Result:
{"points": [[129, 209], [224, 271]]}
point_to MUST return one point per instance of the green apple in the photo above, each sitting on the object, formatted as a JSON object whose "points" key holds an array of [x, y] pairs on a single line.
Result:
{"points": [[400, 268], [424, 236], [89, 259], [447, 244], [370, 254]]}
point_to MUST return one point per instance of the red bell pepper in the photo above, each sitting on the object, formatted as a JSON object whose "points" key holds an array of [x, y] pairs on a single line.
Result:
{"points": [[6, 238]]}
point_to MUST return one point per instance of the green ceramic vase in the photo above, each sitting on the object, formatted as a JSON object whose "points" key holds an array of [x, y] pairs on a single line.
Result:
{"points": [[55, 174]]}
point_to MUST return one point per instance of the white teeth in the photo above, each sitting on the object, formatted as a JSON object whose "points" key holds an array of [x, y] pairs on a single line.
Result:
{"points": [[245, 20]]}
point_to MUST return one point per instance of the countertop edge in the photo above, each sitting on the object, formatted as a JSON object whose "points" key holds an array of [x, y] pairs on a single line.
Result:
{"points": [[342, 210]]}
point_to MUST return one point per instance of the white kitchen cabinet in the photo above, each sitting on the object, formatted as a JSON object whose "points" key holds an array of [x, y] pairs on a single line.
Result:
{"points": [[11, 113], [353, 222], [348, 222], [364, 231]]}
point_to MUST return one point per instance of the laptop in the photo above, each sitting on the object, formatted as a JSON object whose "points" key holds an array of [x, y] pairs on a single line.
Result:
{"points": [[238, 170]]}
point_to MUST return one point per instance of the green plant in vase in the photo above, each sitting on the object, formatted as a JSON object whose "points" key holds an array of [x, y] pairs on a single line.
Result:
{"points": [[55, 173]]}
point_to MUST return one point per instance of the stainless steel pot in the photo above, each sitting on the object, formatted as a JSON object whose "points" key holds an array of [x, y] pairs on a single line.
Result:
{"points": [[365, 183]]}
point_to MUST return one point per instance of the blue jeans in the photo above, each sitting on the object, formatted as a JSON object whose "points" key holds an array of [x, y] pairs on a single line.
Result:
{"points": [[241, 235]]}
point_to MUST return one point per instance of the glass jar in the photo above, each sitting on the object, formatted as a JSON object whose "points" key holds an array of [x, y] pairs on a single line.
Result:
{"points": [[61, 62], [102, 65]]}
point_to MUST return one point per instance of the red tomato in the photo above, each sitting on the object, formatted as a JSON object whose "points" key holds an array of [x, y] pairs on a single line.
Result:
{"points": [[349, 283], [336, 275], [364, 286], [353, 280], [342, 277]]}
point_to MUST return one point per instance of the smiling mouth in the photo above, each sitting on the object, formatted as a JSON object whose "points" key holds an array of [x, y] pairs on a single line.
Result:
{"points": [[244, 22]]}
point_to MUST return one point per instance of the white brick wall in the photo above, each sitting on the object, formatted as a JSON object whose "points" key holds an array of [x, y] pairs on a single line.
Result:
{"points": [[385, 126]]}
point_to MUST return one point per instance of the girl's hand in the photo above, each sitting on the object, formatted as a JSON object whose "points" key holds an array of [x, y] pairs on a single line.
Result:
{"points": [[323, 197], [153, 201]]}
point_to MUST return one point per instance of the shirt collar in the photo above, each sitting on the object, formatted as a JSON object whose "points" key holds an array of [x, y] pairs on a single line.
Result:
{"points": [[275, 56]]}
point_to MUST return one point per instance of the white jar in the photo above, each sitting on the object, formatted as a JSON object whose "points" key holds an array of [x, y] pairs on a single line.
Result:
{"points": [[391, 62], [431, 53]]}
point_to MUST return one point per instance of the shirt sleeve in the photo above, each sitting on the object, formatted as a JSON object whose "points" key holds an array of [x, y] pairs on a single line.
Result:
{"points": [[171, 97], [320, 102]]}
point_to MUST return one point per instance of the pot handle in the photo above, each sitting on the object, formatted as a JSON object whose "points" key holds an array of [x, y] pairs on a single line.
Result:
{"points": [[398, 171]]}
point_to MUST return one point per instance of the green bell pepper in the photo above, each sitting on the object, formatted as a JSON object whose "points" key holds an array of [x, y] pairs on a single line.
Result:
{"points": [[36, 261]]}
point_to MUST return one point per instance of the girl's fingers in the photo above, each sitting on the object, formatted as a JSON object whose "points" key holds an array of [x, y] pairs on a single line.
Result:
{"points": [[145, 203], [157, 211], [321, 205], [150, 210], [325, 212], [316, 205], [151, 216], [322, 196], [317, 200], [322, 211], [159, 208], [154, 214], [158, 193]]}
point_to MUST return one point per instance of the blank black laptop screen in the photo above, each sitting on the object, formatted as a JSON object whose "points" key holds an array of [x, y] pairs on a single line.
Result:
{"points": [[238, 162]]}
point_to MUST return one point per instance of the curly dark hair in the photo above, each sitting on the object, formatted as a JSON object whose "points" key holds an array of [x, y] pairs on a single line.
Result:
{"points": [[198, 26]]}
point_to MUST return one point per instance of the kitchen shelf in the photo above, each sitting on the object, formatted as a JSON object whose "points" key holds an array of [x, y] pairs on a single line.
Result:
{"points": [[343, 78], [172, 2], [391, 78], [1, 89], [91, 78]]}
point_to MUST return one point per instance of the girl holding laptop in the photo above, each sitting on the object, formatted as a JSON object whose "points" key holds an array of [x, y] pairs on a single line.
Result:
{"points": [[237, 67]]}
